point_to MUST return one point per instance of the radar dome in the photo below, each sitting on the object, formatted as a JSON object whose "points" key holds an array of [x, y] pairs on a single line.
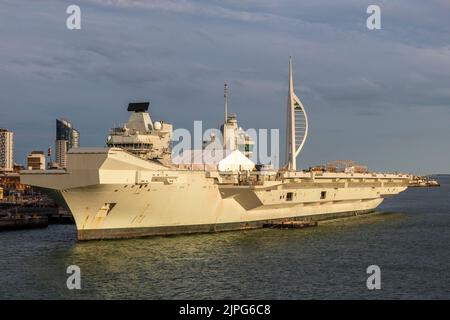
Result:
{"points": [[157, 125]]}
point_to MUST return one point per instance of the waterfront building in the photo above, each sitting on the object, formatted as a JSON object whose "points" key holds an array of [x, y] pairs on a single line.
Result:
{"points": [[66, 138], [6, 150], [36, 160]]}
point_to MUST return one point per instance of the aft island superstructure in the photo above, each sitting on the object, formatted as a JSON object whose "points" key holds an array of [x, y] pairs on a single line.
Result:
{"points": [[133, 188]]}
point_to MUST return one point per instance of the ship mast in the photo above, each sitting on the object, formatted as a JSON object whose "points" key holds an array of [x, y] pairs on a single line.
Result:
{"points": [[296, 125], [225, 101]]}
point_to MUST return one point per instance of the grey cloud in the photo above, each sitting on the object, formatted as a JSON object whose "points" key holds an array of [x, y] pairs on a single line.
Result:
{"points": [[354, 83]]}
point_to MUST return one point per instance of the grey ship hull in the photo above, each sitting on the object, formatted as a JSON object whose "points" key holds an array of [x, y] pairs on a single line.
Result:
{"points": [[123, 233], [113, 194]]}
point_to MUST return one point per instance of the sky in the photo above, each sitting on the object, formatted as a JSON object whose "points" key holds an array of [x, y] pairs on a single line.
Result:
{"points": [[378, 97]]}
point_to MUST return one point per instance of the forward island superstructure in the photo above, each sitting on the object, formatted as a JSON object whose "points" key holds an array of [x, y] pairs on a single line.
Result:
{"points": [[133, 187]]}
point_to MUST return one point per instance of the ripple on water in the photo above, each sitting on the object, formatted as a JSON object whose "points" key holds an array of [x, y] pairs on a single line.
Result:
{"points": [[410, 242]]}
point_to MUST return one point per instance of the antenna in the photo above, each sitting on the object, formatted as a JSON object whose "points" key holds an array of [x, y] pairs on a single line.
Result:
{"points": [[225, 100]]}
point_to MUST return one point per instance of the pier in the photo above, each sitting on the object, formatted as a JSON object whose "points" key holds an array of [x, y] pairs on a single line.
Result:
{"points": [[15, 217], [424, 182], [19, 222]]}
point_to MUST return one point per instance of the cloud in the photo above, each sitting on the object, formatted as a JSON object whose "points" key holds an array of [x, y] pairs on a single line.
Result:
{"points": [[178, 54], [185, 7]]}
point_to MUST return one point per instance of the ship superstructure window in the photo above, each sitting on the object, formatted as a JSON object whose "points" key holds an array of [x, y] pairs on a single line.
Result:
{"points": [[323, 195], [289, 196]]}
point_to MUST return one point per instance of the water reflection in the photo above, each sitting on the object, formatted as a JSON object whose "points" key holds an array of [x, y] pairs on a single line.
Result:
{"points": [[200, 265], [410, 242]]}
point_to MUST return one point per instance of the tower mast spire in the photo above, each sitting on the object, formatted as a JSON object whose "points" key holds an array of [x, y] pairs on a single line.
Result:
{"points": [[296, 125], [292, 160]]}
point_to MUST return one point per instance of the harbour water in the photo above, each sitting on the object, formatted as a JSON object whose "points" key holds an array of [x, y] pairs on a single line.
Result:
{"points": [[409, 240]]}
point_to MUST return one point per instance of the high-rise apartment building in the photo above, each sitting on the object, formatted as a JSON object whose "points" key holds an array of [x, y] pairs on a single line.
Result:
{"points": [[66, 138], [6, 150]]}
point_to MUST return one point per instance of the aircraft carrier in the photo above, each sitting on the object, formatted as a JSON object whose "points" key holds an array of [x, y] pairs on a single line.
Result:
{"points": [[134, 187]]}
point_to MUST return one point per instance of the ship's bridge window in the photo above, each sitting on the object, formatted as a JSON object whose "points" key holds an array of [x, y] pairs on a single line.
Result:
{"points": [[289, 196], [323, 195]]}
